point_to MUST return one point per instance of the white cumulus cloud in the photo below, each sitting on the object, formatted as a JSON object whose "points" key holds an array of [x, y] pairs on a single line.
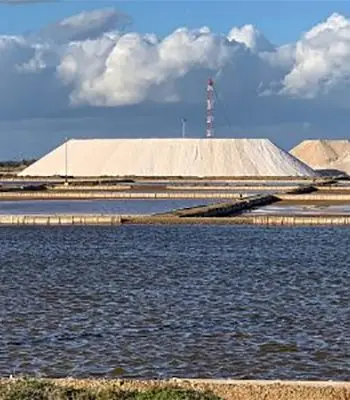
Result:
{"points": [[251, 37], [89, 62], [86, 25], [321, 60], [131, 68], [95, 63]]}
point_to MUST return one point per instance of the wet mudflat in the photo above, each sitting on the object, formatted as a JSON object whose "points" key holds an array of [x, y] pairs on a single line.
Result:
{"points": [[185, 301]]}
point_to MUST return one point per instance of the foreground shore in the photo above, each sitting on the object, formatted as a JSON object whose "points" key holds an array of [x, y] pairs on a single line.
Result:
{"points": [[184, 389]]}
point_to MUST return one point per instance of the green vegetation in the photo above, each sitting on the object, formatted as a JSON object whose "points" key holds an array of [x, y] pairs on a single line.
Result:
{"points": [[16, 164], [9, 168], [33, 389]]}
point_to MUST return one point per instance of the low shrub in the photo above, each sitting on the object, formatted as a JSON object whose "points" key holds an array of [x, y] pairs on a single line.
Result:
{"points": [[33, 389]]}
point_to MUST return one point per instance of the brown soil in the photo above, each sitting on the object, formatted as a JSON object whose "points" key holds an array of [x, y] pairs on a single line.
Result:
{"points": [[232, 390]]}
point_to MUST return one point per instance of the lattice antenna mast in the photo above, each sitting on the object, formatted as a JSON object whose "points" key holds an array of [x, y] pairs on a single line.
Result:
{"points": [[210, 109]]}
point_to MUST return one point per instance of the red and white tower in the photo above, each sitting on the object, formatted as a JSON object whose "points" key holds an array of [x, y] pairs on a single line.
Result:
{"points": [[210, 108]]}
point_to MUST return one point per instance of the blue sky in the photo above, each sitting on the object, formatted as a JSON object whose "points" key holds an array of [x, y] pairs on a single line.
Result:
{"points": [[281, 21], [84, 80]]}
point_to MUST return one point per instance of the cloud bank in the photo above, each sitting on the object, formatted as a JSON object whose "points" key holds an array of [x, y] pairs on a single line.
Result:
{"points": [[87, 65]]}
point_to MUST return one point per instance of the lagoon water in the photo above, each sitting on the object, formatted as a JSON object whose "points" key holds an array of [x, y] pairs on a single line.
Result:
{"points": [[185, 301]]}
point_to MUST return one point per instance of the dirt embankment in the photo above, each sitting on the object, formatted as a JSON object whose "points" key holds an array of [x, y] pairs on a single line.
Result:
{"points": [[225, 389]]}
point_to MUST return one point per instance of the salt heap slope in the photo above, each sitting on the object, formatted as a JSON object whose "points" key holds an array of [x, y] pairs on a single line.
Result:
{"points": [[324, 154], [169, 158]]}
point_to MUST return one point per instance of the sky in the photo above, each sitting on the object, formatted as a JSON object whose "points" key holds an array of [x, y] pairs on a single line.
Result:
{"points": [[281, 21], [135, 68]]}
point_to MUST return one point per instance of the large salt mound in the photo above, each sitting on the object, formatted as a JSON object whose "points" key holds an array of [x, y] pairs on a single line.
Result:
{"points": [[169, 157], [324, 154]]}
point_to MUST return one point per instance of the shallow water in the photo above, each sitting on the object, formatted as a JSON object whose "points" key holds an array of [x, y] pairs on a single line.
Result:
{"points": [[161, 301], [129, 207], [302, 209]]}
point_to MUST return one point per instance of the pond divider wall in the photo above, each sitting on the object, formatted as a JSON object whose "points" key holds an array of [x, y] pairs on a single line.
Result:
{"points": [[268, 220], [60, 219], [228, 212], [76, 195], [224, 209]]}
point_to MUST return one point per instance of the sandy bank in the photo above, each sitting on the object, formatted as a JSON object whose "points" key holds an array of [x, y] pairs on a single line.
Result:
{"points": [[228, 389]]}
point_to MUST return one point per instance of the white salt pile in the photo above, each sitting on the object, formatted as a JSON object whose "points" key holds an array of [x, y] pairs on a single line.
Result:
{"points": [[324, 154], [169, 157]]}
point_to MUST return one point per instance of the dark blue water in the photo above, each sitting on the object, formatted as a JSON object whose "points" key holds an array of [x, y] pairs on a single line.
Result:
{"points": [[185, 301]]}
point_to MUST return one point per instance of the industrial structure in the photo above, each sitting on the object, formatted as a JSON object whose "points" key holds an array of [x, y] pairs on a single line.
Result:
{"points": [[210, 108]]}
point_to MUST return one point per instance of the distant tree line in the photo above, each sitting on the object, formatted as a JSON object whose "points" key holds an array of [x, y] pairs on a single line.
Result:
{"points": [[16, 164]]}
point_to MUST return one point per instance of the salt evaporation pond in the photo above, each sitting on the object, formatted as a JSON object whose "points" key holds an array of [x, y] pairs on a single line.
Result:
{"points": [[125, 207], [301, 209], [184, 301]]}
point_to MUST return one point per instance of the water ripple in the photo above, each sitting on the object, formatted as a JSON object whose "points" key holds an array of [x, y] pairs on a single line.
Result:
{"points": [[161, 301]]}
